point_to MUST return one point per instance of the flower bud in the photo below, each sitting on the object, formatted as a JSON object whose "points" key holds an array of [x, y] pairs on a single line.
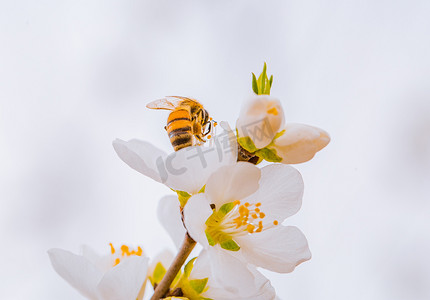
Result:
{"points": [[261, 117], [299, 143]]}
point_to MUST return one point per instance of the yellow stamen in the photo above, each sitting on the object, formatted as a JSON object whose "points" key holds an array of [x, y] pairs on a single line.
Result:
{"points": [[273, 111], [275, 222], [250, 228], [117, 261], [112, 249]]}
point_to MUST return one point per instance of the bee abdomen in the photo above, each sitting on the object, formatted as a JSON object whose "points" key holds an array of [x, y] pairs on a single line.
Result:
{"points": [[183, 140], [179, 129]]}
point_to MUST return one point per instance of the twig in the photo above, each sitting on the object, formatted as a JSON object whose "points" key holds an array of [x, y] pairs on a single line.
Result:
{"points": [[164, 285]]}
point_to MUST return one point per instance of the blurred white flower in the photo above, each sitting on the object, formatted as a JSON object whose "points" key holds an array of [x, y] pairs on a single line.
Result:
{"points": [[245, 224], [261, 117], [261, 131], [185, 170], [120, 275]]}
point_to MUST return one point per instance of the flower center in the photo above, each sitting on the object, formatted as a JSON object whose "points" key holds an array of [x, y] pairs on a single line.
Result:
{"points": [[125, 252], [234, 219]]}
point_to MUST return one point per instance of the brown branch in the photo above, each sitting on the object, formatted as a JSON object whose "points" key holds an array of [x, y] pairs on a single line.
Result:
{"points": [[164, 285]]}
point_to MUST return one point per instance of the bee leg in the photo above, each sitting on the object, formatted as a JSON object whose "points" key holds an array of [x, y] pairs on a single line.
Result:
{"points": [[165, 128], [200, 138], [209, 129]]}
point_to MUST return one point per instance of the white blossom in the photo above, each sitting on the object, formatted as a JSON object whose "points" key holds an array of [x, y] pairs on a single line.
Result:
{"points": [[299, 143], [245, 224], [261, 117], [111, 277]]}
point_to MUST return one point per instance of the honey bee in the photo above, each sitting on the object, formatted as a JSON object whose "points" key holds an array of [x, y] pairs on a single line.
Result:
{"points": [[188, 124]]}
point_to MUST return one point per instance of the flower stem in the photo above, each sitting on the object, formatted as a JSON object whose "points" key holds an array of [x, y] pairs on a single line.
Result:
{"points": [[164, 285]]}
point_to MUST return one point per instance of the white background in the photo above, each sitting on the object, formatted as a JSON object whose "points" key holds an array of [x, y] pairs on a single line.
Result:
{"points": [[74, 75]]}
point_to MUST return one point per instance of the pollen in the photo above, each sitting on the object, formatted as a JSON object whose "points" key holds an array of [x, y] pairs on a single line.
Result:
{"points": [[250, 217], [209, 136], [273, 111], [275, 222], [250, 228], [125, 252]]}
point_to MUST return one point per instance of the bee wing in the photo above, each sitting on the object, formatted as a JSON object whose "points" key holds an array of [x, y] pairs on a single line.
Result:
{"points": [[162, 104]]}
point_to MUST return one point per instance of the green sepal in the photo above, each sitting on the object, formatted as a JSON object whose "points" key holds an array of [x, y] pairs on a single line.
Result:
{"points": [[226, 208], [254, 84], [278, 135], [230, 245], [262, 80], [202, 190], [263, 84], [177, 279], [158, 274], [211, 241], [247, 144], [188, 267], [183, 197], [198, 285], [268, 155]]}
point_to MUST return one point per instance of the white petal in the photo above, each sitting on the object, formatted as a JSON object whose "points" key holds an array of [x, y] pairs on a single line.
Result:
{"points": [[279, 249], [230, 272], [300, 143], [280, 192], [258, 289], [125, 280], [77, 271], [261, 117], [233, 182], [142, 157], [196, 212], [169, 215], [102, 262], [189, 168]]}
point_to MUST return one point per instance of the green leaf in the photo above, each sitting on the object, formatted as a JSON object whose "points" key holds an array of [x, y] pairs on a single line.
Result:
{"points": [[226, 208], [211, 241], [268, 155], [247, 144], [198, 285], [254, 84], [188, 267], [183, 197], [230, 245], [159, 273]]}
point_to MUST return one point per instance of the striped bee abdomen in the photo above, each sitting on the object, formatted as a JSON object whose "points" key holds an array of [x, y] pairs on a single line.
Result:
{"points": [[179, 129]]}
